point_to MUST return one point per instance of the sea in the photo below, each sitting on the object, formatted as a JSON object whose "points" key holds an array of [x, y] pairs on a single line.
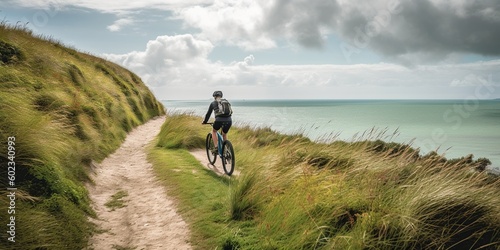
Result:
{"points": [[453, 128]]}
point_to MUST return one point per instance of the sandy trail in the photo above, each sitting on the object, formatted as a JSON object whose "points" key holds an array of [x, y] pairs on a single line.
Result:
{"points": [[149, 219], [201, 156]]}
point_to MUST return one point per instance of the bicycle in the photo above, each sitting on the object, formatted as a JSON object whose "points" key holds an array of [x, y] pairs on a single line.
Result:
{"points": [[224, 150]]}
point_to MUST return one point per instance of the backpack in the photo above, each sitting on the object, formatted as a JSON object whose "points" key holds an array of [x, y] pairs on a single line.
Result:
{"points": [[223, 108]]}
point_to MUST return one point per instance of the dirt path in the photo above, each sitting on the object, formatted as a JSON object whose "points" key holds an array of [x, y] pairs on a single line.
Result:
{"points": [[201, 156], [148, 219]]}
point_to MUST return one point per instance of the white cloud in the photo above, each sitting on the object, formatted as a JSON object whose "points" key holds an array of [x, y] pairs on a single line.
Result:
{"points": [[115, 6], [474, 80], [248, 61], [232, 22], [169, 60], [411, 32], [255, 25], [119, 24], [178, 67]]}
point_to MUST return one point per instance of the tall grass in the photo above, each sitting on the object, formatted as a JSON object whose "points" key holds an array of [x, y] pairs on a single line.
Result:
{"points": [[64, 114], [368, 194], [181, 132], [363, 197]]}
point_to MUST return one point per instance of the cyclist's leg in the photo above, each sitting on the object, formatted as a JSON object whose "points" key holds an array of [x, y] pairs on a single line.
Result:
{"points": [[216, 126], [214, 137], [225, 129]]}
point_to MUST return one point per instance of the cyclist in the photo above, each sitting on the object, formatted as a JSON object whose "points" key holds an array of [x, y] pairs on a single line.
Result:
{"points": [[221, 121]]}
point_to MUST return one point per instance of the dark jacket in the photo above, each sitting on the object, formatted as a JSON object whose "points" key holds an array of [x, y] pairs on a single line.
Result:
{"points": [[215, 105]]}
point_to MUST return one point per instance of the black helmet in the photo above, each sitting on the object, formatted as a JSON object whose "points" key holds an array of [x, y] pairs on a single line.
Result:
{"points": [[217, 93]]}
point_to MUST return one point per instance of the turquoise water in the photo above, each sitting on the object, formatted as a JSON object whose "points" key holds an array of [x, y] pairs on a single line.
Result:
{"points": [[453, 127]]}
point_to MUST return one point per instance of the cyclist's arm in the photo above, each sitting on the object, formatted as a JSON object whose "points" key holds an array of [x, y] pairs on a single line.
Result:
{"points": [[209, 113]]}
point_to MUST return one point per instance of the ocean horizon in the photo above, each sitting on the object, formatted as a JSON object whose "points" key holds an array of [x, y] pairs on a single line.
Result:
{"points": [[452, 127]]}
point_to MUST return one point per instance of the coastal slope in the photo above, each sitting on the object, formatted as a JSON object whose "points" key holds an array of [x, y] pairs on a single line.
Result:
{"points": [[61, 112], [294, 193]]}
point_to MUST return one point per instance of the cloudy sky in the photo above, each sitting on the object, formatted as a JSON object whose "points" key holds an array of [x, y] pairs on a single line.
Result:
{"points": [[267, 49]]}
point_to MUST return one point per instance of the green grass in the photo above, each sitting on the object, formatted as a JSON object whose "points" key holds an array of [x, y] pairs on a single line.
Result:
{"points": [[202, 195], [116, 200], [65, 113], [296, 194]]}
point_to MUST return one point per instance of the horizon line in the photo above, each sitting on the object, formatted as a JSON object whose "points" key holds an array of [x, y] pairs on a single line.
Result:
{"points": [[340, 99]]}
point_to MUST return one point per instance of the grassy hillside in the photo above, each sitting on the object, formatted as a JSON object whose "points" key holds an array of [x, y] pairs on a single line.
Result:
{"points": [[296, 194], [61, 111]]}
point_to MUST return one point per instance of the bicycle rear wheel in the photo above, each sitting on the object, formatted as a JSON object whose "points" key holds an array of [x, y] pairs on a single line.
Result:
{"points": [[228, 157], [211, 150]]}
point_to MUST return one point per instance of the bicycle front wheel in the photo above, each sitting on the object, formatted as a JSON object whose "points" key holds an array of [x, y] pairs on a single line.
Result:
{"points": [[211, 150], [228, 157]]}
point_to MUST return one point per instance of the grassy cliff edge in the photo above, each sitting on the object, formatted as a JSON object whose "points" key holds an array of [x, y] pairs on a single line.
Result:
{"points": [[60, 111], [293, 193]]}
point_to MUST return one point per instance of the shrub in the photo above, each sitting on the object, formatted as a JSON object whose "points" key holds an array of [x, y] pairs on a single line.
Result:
{"points": [[9, 53], [76, 74]]}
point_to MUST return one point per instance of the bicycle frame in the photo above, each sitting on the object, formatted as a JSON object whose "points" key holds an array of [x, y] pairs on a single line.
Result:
{"points": [[220, 140]]}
